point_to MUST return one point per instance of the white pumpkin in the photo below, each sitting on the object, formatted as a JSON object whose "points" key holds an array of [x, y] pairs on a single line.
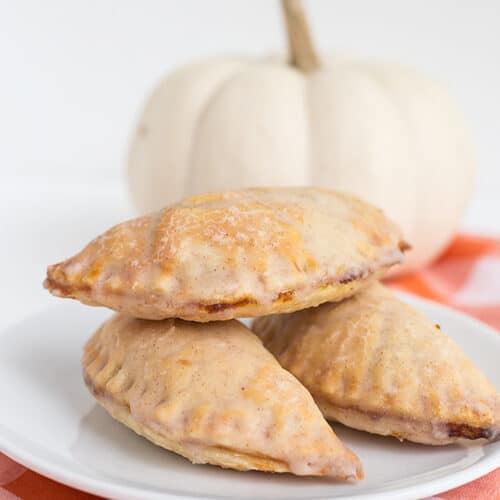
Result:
{"points": [[383, 132]]}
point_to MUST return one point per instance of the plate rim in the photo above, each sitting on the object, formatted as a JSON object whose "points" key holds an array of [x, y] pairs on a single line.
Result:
{"points": [[109, 488]]}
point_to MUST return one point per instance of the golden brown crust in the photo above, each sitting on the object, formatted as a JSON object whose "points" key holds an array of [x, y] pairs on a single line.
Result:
{"points": [[211, 393], [428, 432], [241, 253], [376, 364]]}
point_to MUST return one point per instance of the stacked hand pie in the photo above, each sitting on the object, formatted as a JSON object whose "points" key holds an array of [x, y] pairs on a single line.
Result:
{"points": [[176, 367]]}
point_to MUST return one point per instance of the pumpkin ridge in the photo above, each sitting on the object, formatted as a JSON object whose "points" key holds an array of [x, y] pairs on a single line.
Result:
{"points": [[202, 112]]}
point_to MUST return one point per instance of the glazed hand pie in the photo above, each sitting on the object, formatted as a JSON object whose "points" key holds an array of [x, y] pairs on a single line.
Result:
{"points": [[233, 254], [376, 364], [212, 393]]}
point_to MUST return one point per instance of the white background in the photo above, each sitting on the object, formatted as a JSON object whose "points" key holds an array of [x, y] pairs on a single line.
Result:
{"points": [[73, 75]]}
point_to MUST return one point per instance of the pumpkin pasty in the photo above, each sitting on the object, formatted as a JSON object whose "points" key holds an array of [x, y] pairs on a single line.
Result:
{"points": [[376, 364], [212, 393], [233, 254]]}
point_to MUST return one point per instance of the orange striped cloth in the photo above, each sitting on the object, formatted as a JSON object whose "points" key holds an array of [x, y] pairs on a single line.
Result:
{"points": [[466, 277]]}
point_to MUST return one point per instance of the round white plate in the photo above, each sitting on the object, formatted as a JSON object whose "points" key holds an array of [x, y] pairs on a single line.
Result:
{"points": [[50, 423]]}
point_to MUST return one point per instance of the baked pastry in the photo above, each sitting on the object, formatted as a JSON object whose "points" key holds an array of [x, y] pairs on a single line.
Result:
{"points": [[376, 364], [233, 254], [212, 393]]}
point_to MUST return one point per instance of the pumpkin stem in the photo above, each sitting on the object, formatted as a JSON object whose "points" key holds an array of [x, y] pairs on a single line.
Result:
{"points": [[300, 45]]}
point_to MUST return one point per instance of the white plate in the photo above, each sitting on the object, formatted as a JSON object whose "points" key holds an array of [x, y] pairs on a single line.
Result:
{"points": [[50, 423]]}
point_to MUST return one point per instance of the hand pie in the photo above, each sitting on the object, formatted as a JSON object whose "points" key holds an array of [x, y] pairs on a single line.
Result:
{"points": [[233, 254], [212, 393], [376, 364]]}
